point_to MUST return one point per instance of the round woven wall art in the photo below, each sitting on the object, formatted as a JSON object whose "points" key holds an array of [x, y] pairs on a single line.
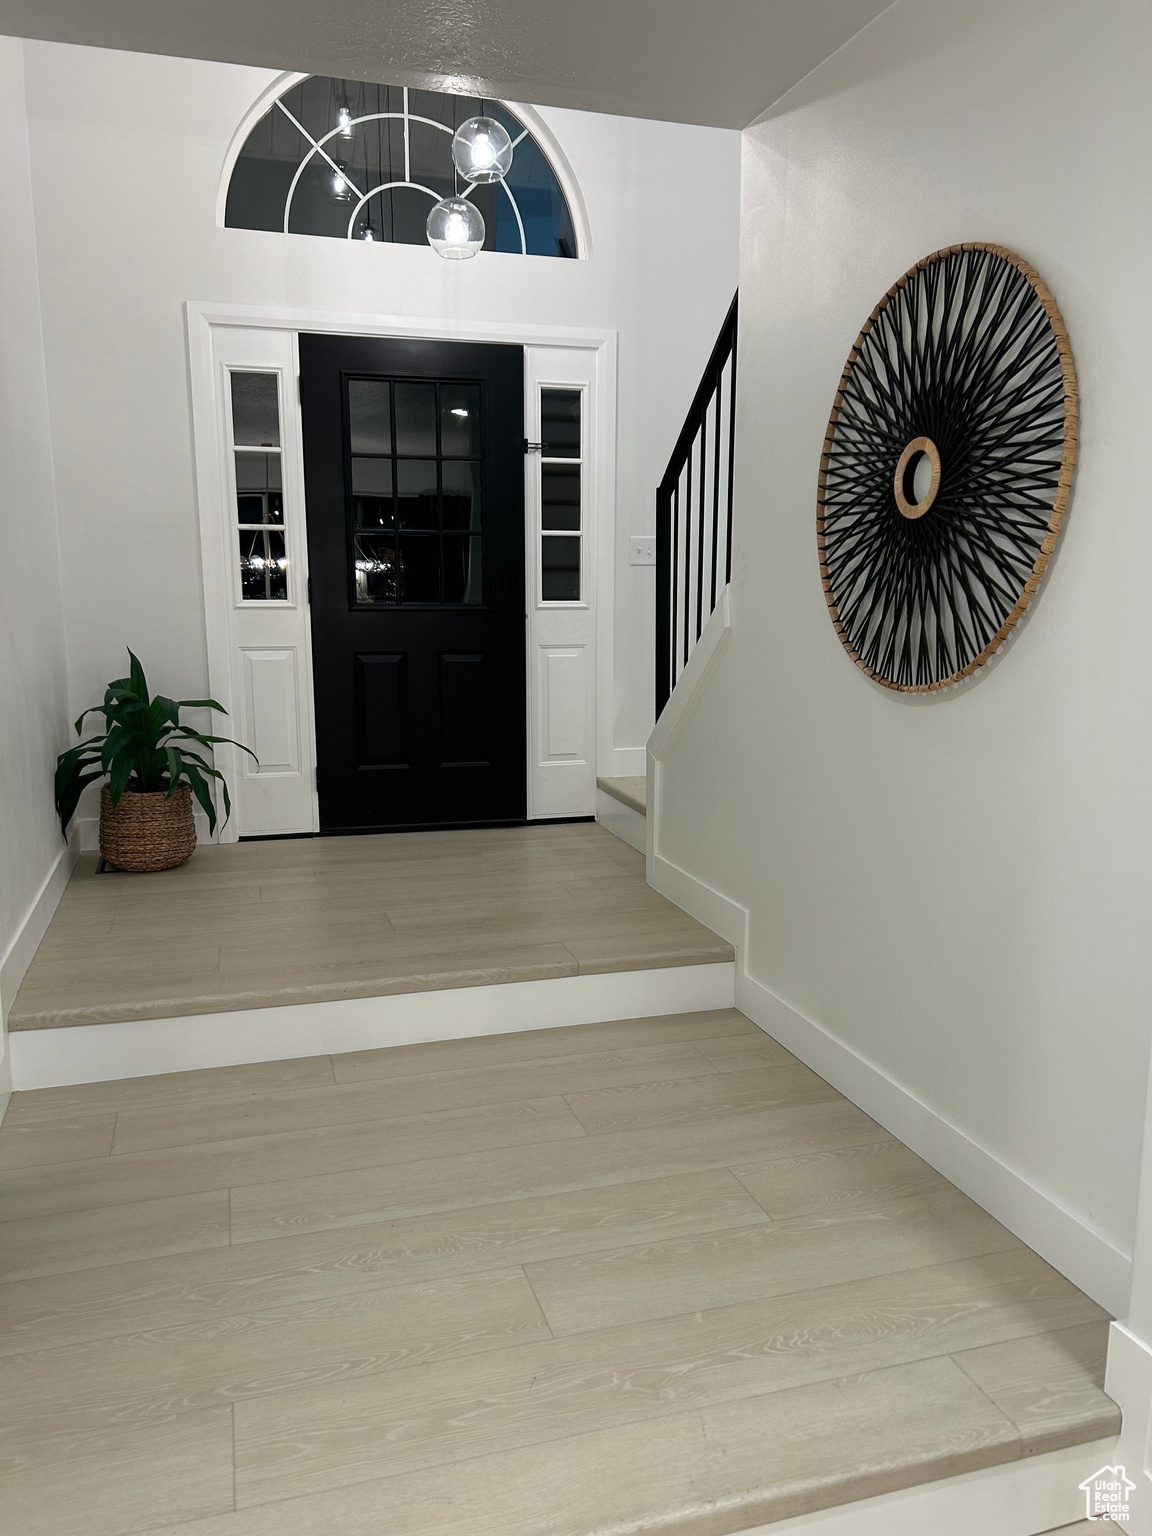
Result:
{"points": [[946, 468]]}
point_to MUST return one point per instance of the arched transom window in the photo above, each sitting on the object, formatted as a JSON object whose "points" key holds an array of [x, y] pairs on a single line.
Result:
{"points": [[355, 161]]}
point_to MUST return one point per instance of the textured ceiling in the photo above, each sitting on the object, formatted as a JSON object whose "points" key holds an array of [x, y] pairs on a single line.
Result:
{"points": [[721, 62]]}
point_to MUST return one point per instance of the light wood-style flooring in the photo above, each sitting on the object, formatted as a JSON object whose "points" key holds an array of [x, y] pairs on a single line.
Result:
{"points": [[253, 925], [1086, 1528], [650, 1276]]}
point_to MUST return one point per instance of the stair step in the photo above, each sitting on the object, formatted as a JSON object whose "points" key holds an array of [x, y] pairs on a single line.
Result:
{"points": [[265, 950], [631, 791]]}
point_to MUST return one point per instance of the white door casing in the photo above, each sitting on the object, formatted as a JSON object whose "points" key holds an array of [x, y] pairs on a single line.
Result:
{"points": [[259, 653]]}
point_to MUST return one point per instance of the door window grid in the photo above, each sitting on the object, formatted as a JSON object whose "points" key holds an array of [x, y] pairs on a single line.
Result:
{"points": [[561, 497], [414, 474], [259, 485]]}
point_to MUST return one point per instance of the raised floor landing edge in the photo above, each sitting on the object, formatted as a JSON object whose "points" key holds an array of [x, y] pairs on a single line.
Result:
{"points": [[264, 924]]}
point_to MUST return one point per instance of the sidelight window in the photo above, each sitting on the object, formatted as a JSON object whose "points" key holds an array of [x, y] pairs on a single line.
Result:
{"points": [[561, 499], [259, 481]]}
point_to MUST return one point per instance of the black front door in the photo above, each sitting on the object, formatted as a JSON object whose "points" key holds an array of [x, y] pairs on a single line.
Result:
{"points": [[414, 472]]}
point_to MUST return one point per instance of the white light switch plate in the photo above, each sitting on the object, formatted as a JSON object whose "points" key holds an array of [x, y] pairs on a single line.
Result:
{"points": [[644, 550]]}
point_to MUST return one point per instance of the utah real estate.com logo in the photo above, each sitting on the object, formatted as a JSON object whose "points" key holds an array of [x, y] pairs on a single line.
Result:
{"points": [[1107, 1494]]}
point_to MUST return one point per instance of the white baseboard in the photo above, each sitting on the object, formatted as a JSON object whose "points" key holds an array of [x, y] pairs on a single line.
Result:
{"points": [[87, 829], [16, 959], [1129, 1383], [1065, 1239], [622, 819], [628, 762], [90, 1053], [720, 913], [1019, 1498], [24, 943]]}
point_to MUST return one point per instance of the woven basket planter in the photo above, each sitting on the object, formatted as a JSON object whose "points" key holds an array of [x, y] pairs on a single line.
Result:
{"points": [[147, 832]]}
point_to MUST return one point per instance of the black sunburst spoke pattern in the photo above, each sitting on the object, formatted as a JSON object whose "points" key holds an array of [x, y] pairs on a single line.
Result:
{"points": [[964, 364]]}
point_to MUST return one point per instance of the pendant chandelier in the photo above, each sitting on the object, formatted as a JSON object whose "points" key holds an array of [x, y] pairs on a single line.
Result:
{"points": [[481, 154]]}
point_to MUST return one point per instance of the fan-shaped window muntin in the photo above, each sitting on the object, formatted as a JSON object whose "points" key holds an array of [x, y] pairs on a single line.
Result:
{"points": [[375, 172]]}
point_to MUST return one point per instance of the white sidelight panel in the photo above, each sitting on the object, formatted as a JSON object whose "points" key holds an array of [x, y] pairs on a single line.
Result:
{"points": [[562, 509], [250, 483]]}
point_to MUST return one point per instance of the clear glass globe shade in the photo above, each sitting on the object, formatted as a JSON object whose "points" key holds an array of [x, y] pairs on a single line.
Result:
{"points": [[340, 188], [482, 150], [455, 229]]}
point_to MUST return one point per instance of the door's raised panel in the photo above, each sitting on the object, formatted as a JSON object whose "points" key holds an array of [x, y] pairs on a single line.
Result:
{"points": [[381, 683], [271, 710], [464, 710], [564, 705]]}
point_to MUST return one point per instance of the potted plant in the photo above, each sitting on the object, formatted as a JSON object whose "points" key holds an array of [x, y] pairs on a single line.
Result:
{"points": [[152, 769]]}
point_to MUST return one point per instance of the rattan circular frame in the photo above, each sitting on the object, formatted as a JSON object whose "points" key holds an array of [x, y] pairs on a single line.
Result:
{"points": [[969, 350]]}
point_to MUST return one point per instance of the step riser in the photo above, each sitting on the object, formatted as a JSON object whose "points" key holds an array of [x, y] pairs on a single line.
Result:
{"points": [[1021, 1498], [621, 819], [92, 1053]]}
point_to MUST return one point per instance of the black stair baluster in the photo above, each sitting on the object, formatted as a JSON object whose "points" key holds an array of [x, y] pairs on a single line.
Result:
{"points": [[681, 561], [663, 596]]}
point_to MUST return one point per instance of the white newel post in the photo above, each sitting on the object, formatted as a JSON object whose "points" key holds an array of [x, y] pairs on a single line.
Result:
{"points": [[1129, 1378]]}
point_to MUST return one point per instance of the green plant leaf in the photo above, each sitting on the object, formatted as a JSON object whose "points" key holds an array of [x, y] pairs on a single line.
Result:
{"points": [[119, 740], [118, 776], [152, 767], [175, 769], [201, 704], [157, 724], [91, 748], [76, 768], [202, 792], [96, 709], [194, 757], [125, 711], [213, 773], [187, 732], [119, 691], [76, 757], [136, 677], [224, 797], [70, 765], [216, 774], [68, 794]]}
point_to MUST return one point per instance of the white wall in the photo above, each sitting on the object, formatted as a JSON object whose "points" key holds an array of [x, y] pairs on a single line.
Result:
{"points": [[956, 886], [127, 152], [32, 660]]}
